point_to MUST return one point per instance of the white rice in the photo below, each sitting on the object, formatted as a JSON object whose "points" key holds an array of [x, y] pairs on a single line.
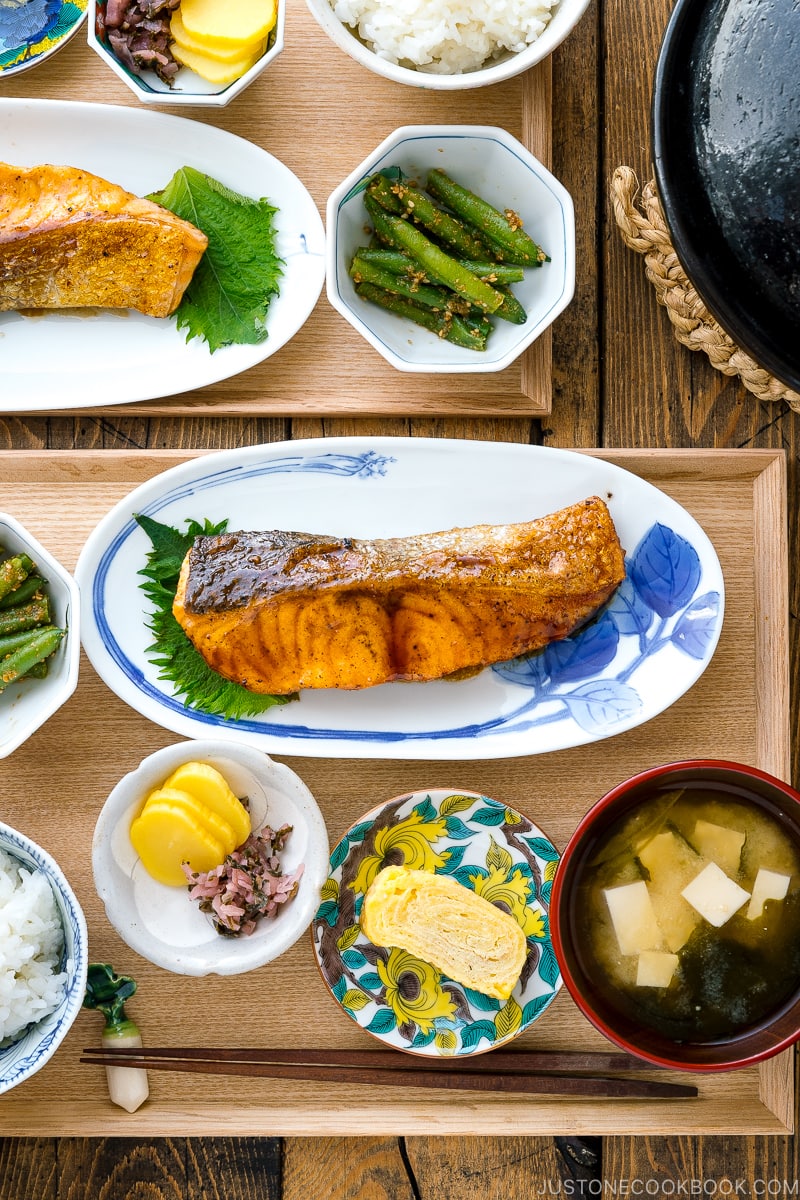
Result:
{"points": [[445, 37], [31, 945]]}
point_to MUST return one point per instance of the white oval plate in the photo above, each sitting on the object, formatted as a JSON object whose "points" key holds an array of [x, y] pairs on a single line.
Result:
{"points": [[58, 360], [651, 643]]}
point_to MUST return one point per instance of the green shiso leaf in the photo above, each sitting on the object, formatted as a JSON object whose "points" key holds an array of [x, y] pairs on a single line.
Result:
{"points": [[171, 651], [229, 294]]}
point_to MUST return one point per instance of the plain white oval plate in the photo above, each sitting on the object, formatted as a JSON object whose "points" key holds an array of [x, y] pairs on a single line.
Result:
{"points": [[58, 360], [648, 646]]}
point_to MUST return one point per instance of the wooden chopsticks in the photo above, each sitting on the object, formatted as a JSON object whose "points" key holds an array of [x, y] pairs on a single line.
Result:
{"points": [[565, 1073]]}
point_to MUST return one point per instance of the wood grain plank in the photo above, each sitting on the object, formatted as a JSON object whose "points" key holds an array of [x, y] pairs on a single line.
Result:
{"points": [[234, 1168], [96, 1168], [28, 1168], [575, 419], [450, 1169], [367, 1168]]}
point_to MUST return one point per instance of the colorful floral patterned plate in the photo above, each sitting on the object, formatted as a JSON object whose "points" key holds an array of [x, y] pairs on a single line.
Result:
{"points": [[404, 1002], [32, 30]]}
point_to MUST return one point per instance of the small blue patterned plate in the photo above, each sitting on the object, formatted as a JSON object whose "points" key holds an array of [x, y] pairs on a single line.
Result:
{"points": [[33, 30], [407, 1003]]}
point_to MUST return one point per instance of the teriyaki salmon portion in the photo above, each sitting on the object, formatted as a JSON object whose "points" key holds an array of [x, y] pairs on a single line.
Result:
{"points": [[279, 611]]}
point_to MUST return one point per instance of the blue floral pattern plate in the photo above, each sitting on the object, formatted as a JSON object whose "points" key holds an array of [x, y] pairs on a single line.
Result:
{"points": [[32, 30], [646, 648], [407, 1003]]}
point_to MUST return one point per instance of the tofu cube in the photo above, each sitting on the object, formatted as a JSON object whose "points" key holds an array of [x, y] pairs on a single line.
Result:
{"points": [[633, 918], [715, 896], [671, 863], [656, 968], [768, 885], [719, 844]]}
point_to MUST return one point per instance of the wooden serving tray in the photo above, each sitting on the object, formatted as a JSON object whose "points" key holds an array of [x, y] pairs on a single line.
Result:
{"points": [[54, 786], [321, 114]]}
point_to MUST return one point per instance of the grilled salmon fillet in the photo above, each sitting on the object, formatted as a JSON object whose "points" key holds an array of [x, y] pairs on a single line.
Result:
{"points": [[69, 239], [278, 611]]}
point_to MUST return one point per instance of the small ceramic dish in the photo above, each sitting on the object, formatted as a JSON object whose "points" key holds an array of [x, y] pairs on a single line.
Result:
{"points": [[402, 1001], [354, 40], [27, 1053], [188, 87], [33, 30], [161, 923], [493, 164], [26, 705]]}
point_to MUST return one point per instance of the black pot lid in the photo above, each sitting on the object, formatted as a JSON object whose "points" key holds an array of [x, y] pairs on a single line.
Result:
{"points": [[726, 138]]}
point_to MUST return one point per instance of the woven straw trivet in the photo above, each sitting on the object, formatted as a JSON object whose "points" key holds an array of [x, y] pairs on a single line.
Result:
{"points": [[645, 231]]}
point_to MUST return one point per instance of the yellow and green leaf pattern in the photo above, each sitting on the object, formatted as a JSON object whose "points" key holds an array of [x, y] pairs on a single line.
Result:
{"points": [[407, 1003]]}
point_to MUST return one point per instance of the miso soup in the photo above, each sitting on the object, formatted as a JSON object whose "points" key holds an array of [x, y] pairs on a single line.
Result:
{"points": [[691, 915]]}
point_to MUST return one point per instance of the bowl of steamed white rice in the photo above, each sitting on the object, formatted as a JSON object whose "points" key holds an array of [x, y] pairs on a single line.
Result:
{"points": [[448, 44], [43, 957]]}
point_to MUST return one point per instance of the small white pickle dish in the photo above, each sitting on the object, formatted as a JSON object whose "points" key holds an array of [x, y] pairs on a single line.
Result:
{"points": [[29, 703], [162, 923], [565, 15], [188, 88], [21, 1056], [495, 166]]}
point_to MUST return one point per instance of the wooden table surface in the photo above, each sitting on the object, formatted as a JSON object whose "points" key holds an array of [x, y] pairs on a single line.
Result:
{"points": [[620, 379]]}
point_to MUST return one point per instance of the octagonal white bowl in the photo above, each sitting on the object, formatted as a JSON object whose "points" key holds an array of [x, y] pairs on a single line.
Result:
{"points": [[161, 923], [188, 87], [565, 17], [497, 167], [26, 705]]}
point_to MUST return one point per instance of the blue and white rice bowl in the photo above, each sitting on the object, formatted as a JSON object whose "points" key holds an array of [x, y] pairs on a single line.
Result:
{"points": [[26, 1052]]}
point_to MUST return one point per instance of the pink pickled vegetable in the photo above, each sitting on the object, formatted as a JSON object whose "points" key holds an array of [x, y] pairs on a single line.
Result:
{"points": [[248, 885]]}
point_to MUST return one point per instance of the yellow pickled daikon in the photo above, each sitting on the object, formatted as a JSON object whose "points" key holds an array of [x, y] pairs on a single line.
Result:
{"points": [[193, 818], [221, 41]]}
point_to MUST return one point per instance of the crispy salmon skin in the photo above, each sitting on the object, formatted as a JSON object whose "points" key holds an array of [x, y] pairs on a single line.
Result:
{"points": [[278, 612], [69, 239]]}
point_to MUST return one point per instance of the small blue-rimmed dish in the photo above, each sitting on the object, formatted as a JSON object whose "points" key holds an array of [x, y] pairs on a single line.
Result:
{"points": [[31, 31], [26, 1052], [494, 165], [187, 87], [404, 1002]]}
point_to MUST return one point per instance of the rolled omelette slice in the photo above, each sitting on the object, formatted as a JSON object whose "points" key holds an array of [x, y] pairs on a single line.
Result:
{"points": [[437, 919]]}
